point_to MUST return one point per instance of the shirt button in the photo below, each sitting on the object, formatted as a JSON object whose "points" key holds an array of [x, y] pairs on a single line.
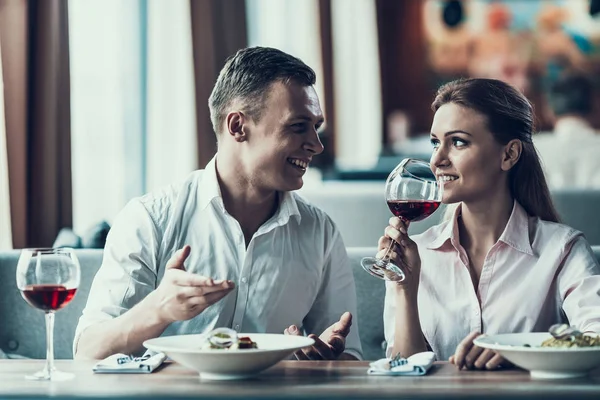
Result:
{"points": [[237, 328], [244, 280]]}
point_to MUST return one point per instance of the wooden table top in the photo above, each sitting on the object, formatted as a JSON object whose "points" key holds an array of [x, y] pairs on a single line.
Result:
{"points": [[292, 379]]}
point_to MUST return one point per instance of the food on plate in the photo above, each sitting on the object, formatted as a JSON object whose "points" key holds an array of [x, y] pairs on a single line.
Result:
{"points": [[227, 339], [244, 342], [579, 341]]}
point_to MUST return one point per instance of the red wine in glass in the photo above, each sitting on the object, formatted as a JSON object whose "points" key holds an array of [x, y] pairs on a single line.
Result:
{"points": [[48, 297], [413, 210]]}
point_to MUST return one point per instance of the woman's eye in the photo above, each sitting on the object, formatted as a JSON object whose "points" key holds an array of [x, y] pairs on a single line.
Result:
{"points": [[435, 143], [459, 142]]}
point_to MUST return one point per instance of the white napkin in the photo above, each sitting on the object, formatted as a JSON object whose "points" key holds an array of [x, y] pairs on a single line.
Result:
{"points": [[123, 364], [415, 365]]}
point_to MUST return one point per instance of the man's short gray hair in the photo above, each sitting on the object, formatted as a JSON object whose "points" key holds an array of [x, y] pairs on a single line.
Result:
{"points": [[248, 76]]}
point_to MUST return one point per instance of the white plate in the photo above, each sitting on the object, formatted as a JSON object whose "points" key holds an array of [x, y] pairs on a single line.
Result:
{"points": [[228, 364], [542, 362]]}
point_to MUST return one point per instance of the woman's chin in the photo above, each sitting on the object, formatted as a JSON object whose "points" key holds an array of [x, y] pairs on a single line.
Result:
{"points": [[449, 199]]}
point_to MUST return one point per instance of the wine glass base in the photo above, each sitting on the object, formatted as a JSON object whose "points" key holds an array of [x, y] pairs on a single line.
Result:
{"points": [[55, 376], [385, 270]]}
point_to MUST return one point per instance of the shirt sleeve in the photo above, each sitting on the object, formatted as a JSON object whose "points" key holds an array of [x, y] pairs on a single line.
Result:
{"points": [[128, 272], [336, 295], [579, 286]]}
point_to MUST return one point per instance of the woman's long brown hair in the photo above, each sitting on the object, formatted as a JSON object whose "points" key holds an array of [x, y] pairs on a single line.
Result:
{"points": [[509, 116]]}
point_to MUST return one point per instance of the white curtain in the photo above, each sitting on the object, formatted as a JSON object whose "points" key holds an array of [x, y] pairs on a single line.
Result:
{"points": [[171, 132], [293, 26], [105, 58], [356, 83], [133, 109], [5, 222]]}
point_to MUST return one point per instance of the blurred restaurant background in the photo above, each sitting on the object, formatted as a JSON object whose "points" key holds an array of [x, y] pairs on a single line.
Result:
{"points": [[105, 100]]}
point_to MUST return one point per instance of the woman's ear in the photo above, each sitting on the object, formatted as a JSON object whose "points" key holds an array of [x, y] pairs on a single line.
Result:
{"points": [[512, 153], [235, 126]]}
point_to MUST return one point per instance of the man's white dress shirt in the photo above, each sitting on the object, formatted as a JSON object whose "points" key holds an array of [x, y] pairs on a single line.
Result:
{"points": [[295, 269]]}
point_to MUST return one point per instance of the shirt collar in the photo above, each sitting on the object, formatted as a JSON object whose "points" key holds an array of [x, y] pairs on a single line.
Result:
{"points": [[449, 231], [516, 232], [210, 190], [288, 207]]}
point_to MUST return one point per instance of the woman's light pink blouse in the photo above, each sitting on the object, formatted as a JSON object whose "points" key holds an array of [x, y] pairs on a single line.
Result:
{"points": [[538, 273]]}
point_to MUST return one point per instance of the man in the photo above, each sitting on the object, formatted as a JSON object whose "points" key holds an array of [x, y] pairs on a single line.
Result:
{"points": [[569, 154], [232, 245]]}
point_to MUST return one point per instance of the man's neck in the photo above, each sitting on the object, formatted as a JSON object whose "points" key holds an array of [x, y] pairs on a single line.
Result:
{"points": [[250, 206]]}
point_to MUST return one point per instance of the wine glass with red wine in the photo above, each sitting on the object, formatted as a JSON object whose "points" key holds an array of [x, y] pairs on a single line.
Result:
{"points": [[48, 280], [412, 193]]}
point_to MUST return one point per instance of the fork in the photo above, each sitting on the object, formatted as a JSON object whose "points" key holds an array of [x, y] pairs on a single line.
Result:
{"points": [[564, 331], [128, 359], [397, 360]]}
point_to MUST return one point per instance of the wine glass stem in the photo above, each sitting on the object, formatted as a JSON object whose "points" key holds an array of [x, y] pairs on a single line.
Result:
{"points": [[49, 342], [388, 250]]}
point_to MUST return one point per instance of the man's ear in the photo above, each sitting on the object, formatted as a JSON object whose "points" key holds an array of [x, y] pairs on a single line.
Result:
{"points": [[511, 154], [235, 123]]}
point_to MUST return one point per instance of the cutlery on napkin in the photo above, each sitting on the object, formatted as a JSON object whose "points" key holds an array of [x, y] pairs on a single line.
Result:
{"points": [[415, 365], [123, 364]]}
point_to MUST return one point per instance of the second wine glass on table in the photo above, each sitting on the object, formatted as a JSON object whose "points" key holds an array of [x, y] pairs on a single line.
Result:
{"points": [[48, 280], [412, 193]]}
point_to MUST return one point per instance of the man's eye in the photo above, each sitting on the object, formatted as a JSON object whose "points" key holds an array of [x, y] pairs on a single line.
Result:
{"points": [[299, 127]]}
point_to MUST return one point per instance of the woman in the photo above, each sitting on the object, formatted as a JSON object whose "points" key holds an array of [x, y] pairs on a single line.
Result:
{"points": [[501, 262]]}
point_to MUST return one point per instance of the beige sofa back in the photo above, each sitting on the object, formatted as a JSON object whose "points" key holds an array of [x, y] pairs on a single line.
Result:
{"points": [[22, 330], [361, 213]]}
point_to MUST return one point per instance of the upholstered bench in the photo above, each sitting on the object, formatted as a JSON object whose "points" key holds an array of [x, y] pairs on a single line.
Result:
{"points": [[22, 329]]}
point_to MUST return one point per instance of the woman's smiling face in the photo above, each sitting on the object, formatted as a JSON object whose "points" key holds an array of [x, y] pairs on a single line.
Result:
{"points": [[466, 157]]}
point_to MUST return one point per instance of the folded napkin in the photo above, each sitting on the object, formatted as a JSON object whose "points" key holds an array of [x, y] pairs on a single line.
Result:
{"points": [[415, 365], [123, 364]]}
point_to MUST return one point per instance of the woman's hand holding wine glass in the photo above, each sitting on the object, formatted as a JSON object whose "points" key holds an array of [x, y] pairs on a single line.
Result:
{"points": [[404, 253], [412, 193]]}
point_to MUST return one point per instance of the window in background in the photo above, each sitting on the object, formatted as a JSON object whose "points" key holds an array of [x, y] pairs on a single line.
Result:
{"points": [[133, 118], [5, 220], [171, 105], [357, 83], [293, 26]]}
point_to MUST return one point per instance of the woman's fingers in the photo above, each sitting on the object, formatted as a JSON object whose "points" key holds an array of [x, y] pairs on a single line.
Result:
{"points": [[395, 234], [495, 362], [484, 358], [472, 356], [383, 242], [463, 349], [400, 224]]}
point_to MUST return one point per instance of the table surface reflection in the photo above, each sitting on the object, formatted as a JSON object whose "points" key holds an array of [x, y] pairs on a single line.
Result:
{"points": [[291, 379]]}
